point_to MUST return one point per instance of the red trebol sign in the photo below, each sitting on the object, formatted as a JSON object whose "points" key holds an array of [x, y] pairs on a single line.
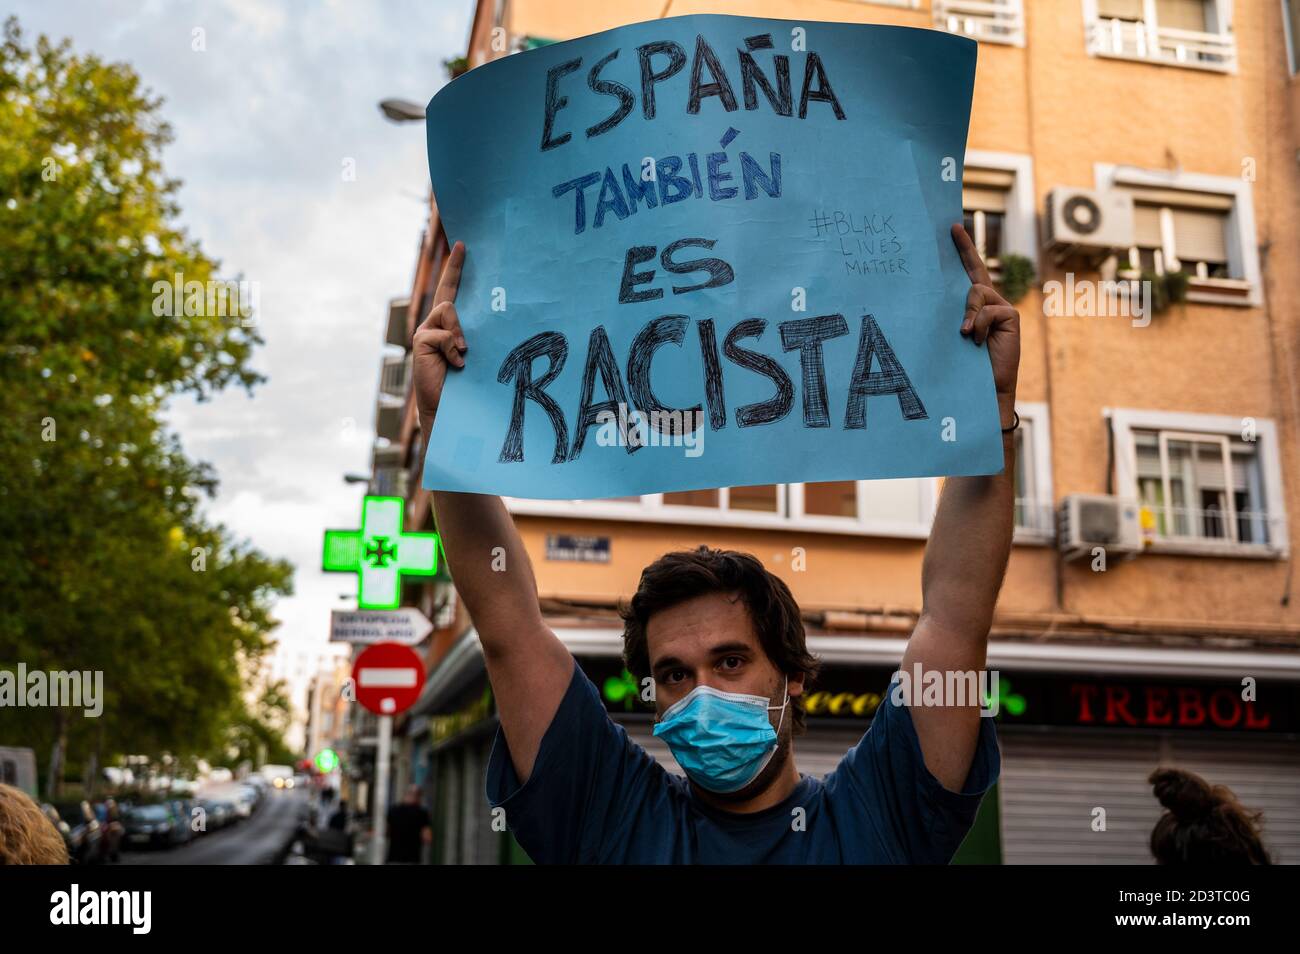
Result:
{"points": [[388, 678], [1179, 707]]}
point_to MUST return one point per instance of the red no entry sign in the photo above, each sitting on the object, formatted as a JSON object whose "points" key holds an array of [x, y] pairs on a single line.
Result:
{"points": [[388, 678]]}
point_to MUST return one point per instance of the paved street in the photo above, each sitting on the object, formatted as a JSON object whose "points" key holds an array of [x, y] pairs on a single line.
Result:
{"points": [[254, 841]]}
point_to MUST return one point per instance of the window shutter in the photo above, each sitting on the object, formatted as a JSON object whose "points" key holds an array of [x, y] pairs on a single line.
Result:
{"points": [[1146, 226], [1119, 9], [1199, 236], [1209, 467], [983, 200], [1181, 14]]}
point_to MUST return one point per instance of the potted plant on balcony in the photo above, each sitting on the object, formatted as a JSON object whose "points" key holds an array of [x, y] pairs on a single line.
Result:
{"points": [[1016, 275]]}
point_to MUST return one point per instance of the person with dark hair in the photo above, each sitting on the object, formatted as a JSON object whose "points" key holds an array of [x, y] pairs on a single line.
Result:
{"points": [[720, 642], [409, 829], [1203, 823]]}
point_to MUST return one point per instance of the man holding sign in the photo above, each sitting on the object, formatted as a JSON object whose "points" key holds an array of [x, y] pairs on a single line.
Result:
{"points": [[723, 640], [710, 171]]}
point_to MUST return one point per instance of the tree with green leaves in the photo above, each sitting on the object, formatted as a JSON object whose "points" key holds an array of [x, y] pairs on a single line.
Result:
{"points": [[108, 561]]}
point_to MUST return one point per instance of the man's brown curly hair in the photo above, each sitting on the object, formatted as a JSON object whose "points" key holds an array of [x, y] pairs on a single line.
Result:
{"points": [[27, 837], [684, 574]]}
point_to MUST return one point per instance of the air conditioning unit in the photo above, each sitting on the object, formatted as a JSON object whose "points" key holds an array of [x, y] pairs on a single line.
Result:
{"points": [[1088, 521], [1089, 219]]}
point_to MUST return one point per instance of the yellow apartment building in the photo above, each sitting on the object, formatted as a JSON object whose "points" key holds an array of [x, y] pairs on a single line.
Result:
{"points": [[1149, 613]]}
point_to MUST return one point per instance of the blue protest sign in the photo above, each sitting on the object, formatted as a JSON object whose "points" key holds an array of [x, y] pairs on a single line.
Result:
{"points": [[709, 251]]}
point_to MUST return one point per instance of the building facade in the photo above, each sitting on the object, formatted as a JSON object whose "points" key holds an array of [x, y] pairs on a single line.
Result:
{"points": [[1148, 615]]}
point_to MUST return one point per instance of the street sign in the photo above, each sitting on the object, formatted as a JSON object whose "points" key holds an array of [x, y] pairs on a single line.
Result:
{"points": [[380, 553], [388, 678], [407, 626]]}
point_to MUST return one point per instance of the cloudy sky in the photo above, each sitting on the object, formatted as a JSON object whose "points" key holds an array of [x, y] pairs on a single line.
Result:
{"points": [[265, 118]]}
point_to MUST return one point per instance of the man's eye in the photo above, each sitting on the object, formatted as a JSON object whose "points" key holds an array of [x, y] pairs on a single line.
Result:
{"points": [[674, 675], [732, 662]]}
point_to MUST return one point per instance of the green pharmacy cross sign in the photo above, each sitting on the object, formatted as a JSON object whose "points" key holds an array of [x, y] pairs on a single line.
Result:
{"points": [[380, 553]]}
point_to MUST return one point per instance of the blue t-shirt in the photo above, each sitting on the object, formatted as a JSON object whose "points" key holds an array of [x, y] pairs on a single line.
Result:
{"points": [[596, 797]]}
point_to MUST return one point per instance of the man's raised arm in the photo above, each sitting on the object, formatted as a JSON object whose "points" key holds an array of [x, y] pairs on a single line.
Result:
{"points": [[969, 544], [529, 667]]}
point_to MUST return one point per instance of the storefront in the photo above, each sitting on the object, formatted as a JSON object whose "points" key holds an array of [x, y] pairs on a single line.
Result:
{"points": [[1081, 729]]}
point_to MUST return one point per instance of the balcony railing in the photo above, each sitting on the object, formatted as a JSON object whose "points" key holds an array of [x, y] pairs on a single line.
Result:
{"points": [[390, 482], [395, 326], [1135, 40], [990, 21], [388, 417], [1034, 518], [394, 376], [1214, 528]]}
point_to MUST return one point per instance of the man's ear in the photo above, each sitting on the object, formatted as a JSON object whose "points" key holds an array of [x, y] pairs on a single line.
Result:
{"points": [[796, 685]]}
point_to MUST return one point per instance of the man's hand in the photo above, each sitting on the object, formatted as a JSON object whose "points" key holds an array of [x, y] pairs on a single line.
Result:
{"points": [[990, 318], [439, 342]]}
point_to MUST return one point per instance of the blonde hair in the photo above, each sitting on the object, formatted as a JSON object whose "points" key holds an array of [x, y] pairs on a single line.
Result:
{"points": [[27, 837]]}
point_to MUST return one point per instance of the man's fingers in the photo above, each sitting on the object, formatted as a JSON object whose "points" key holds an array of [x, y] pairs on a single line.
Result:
{"points": [[970, 257], [449, 284], [428, 340], [986, 318], [443, 317], [976, 298]]}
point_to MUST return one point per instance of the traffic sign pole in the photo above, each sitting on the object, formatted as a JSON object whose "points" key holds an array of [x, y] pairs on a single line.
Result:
{"points": [[383, 759], [389, 677]]}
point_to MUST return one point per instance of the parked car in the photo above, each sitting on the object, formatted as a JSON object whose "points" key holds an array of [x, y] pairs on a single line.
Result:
{"points": [[155, 826], [218, 813], [80, 828], [246, 800], [112, 830]]}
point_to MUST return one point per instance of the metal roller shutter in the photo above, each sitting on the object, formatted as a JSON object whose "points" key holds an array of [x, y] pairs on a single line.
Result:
{"points": [[1052, 782]]}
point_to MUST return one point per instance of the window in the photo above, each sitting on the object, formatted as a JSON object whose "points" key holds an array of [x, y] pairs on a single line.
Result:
{"points": [[1192, 33], [991, 21], [984, 199], [834, 499], [898, 507], [902, 507], [1176, 231], [1201, 225], [1035, 513], [1204, 482], [1201, 486], [997, 200], [761, 499]]}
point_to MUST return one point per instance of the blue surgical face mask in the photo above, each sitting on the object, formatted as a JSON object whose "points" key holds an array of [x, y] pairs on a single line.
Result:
{"points": [[722, 740]]}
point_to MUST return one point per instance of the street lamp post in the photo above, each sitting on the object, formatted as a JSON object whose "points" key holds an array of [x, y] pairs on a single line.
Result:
{"points": [[402, 110]]}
